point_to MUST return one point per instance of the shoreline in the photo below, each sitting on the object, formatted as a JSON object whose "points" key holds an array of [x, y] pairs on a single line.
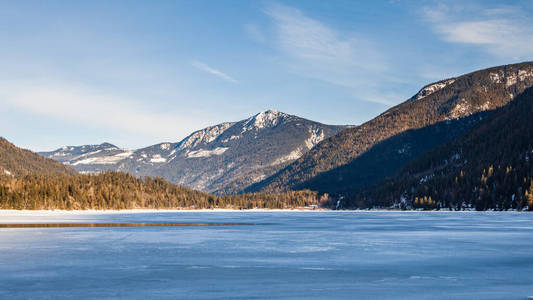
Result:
{"points": [[4, 212], [146, 210]]}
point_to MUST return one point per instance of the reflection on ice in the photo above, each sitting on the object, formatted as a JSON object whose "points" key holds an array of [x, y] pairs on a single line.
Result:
{"points": [[61, 225]]}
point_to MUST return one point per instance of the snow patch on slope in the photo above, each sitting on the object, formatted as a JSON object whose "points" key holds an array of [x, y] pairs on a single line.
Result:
{"points": [[432, 88], [156, 158], [495, 77], [103, 160], [512, 78], [60, 153], [521, 75], [316, 136], [258, 178], [295, 154], [206, 153], [231, 138], [485, 106], [461, 109]]}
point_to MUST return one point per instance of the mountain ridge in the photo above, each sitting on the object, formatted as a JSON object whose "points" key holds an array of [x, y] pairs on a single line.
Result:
{"points": [[440, 101], [223, 158]]}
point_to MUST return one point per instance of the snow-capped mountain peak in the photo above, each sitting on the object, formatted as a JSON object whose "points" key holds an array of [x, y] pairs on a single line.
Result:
{"points": [[264, 119]]}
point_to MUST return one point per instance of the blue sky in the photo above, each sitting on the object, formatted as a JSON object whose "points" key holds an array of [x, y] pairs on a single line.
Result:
{"points": [[135, 73]]}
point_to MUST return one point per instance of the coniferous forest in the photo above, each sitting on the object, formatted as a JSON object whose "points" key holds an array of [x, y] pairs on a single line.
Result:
{"points": [[115, 190]]}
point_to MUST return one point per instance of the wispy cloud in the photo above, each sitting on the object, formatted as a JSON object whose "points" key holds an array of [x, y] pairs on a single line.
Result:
{"points": [[95, 109], [505, 31], [318, 51], [204, 67]]}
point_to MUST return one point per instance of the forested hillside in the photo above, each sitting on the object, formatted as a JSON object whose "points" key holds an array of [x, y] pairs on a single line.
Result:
{"points": [[389, 156], [438, 102], [16, 161], [489, 167]]}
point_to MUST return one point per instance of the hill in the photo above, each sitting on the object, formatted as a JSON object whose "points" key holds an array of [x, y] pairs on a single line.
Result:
{"points": [[16, 161]]}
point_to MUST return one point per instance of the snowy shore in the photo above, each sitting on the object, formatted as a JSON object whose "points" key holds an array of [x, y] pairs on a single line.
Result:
{"points": [[58, 212]]}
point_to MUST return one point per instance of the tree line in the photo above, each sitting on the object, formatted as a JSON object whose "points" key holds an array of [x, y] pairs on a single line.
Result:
{"points": [[116, 190]]}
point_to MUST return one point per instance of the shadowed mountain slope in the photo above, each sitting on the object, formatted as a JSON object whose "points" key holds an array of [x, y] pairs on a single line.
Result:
{"points": [[389, 156], [490, 166]]}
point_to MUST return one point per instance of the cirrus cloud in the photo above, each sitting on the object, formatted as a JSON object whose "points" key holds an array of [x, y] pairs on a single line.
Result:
{"points": [[316, 50], [505, 31], [204, 67], [91, 108]]}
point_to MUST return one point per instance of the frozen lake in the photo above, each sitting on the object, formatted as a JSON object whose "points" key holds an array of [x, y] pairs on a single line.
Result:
{"points": [[290, 255]]}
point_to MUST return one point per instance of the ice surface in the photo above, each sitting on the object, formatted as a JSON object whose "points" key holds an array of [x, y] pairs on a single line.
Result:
{"points": [[290, 255]]}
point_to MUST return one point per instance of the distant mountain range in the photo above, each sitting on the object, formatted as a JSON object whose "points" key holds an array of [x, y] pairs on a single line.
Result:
{"points": [[224, 158], [460, 141], [362, 156]]}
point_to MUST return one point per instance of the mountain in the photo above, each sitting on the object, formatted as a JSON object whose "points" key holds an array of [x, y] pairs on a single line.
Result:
{"points": [[224, 158], [439, 112], [89, 158], [488, 167], [16, 161], [30, 181]]}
